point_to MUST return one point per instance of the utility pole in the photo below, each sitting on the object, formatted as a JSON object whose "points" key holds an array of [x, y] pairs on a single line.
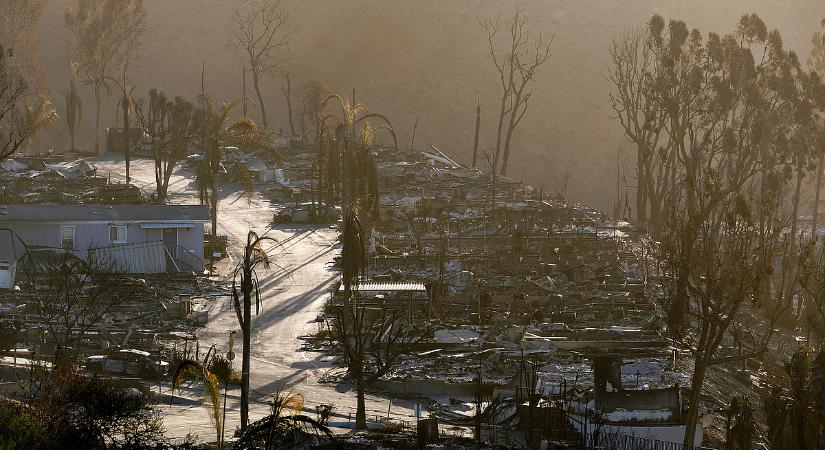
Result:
{"points": [[244, 92], [478, 125], [126, 123]]}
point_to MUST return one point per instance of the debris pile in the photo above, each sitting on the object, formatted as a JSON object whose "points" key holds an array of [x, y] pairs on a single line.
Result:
{"points": [[44, 181], [526, 296]]}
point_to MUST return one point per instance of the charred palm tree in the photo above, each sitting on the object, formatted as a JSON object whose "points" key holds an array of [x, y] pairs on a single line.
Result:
{"points": [[219, 130], [245, 285], [350, 161]]}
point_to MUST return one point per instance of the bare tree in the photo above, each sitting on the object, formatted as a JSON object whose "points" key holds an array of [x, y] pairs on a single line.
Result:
{"points": [[104, 34], [634, 99], [71, 293], [286, 89], [261, 29], [29, 110], [13, 88], [478, 129], [517, 67], [22, 115]]}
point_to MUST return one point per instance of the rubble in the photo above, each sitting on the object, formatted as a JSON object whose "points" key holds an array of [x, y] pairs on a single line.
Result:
{"points": [[52, 181], [526, 292]]}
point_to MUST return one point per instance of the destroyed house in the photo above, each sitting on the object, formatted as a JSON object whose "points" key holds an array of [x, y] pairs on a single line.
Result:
{"points": [[405, 296], [135, 238]]}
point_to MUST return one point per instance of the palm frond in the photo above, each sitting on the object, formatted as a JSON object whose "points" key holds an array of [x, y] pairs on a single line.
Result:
{"points": [[212, 390]]}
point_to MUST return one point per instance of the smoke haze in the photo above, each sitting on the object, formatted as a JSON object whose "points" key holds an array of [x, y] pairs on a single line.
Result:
{"points": [[426, 58]]}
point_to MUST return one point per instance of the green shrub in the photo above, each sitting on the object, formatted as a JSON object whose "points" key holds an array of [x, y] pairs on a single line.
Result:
{"points": [[210, 247], [21, 428]]}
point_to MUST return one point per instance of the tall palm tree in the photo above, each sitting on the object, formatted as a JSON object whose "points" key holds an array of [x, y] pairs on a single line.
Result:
{"points": [[350, 161], [220, 129], [244, 287]]}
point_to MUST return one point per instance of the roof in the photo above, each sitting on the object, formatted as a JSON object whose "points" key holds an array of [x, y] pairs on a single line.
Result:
{"points": [[94, 213], [388, 287]]}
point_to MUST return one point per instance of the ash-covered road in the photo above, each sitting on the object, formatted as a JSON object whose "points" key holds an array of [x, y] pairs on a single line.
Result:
{"points": [[293, 292]]}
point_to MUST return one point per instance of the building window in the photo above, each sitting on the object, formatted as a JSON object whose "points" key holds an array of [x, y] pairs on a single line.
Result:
{"points": [[117, 234], [67, 237]]}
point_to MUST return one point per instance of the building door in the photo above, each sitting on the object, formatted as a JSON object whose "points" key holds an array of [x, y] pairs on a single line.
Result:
{"points": [[170, 240]]}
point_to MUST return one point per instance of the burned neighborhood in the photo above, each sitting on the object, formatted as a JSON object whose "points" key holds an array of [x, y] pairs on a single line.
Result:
{"points": [[270, 224]]}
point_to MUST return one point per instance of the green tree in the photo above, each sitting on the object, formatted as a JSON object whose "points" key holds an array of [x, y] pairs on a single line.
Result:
{"points": [[793, 403], [104, 34], [90, 412], [172, 127], [734, 124], [740, 425]]}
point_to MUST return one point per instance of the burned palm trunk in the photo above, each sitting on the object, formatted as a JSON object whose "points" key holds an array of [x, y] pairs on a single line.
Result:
{"points": [[254, 256], [246, 327]]}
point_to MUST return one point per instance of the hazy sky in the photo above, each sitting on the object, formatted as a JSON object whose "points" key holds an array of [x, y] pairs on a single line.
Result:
{"points": [[426, 58]]}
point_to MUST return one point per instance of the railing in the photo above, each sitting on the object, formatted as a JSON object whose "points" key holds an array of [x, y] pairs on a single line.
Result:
{"points": [[628, 442], [189, 258]]}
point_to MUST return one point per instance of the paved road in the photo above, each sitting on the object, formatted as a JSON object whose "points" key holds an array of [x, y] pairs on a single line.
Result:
{"points": [[293, 292]]}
